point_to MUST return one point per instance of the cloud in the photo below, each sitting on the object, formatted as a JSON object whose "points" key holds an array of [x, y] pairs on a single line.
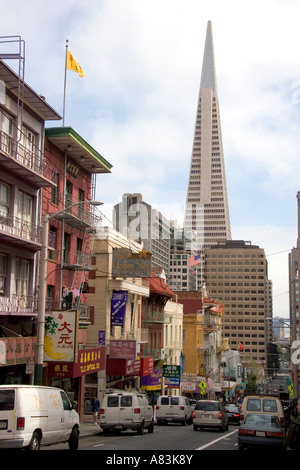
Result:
{"points": [[137, 102]]}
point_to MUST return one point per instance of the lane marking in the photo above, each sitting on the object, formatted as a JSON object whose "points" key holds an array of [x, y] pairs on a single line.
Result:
{"points": [[216, 440]]}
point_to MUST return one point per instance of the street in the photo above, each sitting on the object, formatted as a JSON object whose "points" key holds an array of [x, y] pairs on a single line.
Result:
{"points": [[172, 437]]}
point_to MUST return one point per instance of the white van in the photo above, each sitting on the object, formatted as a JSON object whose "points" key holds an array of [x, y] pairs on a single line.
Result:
{"points": [[123, 410], [35, 415], [173, 409]]}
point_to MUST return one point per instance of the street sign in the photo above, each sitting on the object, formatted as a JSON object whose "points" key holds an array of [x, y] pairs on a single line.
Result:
{"points": [[202, 386]]}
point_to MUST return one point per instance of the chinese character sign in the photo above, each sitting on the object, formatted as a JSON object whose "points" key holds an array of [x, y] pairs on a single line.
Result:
{"points": [[60, 337]]}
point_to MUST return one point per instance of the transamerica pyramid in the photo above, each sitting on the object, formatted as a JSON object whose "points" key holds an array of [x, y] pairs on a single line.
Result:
{"points": [[206, 210]]}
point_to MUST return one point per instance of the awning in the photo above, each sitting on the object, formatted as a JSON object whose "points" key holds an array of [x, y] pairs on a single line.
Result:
{"points": [[158, 286], [228, 386]]}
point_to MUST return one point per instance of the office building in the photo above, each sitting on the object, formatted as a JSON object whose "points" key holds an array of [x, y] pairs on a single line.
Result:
{"points": [[236, 274], [207, 210]]}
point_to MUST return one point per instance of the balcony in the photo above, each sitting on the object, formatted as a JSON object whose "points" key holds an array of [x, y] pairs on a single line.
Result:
{"points": [[154, 316], [26, 164], [210, 327], [19, 232], [77, 260], [158, 354], [139, 334], [84, 309], [80, 216], [12, 304]]}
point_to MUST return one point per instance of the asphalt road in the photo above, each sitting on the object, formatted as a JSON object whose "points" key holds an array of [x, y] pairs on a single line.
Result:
{"points": [[172, 437]]}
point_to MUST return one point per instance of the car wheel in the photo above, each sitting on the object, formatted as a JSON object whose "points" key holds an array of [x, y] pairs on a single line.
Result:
{"points": [[35, 442], [74, 439], [195, 427], [151, 428], [141, 429]]}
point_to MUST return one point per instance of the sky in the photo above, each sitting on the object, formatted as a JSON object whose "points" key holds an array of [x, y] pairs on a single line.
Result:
{"points": [[136, 104]]}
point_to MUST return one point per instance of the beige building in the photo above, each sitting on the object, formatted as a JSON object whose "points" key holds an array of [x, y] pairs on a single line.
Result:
{"points": [[236, 275], [173, 317], [203, 342], [101, 288]]}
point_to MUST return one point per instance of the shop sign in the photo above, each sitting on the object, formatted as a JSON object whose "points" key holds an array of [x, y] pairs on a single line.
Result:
{"points": [[89, 361], [172, 371], [128, 264], [72, 168], [122, 349], [101, 337], [118, 307], [172, 382], [19, 350], [60, 341], [147, 366], [126, 367], [152, 381]]}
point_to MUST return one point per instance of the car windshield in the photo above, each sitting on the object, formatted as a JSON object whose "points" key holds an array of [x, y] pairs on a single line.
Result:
{"points": [[207, 406], [262, 420]]}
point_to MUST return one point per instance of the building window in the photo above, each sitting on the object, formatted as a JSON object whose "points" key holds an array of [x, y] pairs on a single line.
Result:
{"points": [[22, 272], [3, 263], [4, 199]]}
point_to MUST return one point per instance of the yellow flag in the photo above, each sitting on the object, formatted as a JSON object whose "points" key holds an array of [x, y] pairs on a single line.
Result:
{"points": [[73, 65]]}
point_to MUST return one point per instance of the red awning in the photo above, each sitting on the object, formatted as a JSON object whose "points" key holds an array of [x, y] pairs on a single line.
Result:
{"points": [[158, 286]]}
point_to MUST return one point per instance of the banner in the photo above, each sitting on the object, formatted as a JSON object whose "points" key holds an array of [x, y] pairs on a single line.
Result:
{"points": [[118, 307]]}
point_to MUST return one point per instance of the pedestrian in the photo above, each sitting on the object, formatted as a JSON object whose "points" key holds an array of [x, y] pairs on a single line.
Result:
{"points": [[293, 432], [95, 409]]}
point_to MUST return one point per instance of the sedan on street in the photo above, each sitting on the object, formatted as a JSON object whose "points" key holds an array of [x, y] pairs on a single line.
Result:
{"points": [[261, 430], [233, 414]]}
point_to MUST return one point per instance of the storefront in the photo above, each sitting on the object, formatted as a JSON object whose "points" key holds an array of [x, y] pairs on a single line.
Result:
{"points": [[17, 356], [79, 379]]}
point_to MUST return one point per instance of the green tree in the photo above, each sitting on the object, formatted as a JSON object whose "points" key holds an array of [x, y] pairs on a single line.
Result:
{"points": [[251, 386]]}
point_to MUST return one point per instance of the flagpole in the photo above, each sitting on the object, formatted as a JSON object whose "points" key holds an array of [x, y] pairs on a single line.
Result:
{"points": [[65, 84]]}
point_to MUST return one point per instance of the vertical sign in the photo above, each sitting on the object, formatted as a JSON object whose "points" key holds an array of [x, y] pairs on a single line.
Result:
{"points": [[60, 341], [118, 307]]}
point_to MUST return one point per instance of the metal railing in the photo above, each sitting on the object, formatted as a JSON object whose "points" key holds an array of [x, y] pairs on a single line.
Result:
{"points": [[31, 159], [14, 303], [15, 226]]}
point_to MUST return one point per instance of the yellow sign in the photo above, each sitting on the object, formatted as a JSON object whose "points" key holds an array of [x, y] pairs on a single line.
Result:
{"points": [[202, 386]]}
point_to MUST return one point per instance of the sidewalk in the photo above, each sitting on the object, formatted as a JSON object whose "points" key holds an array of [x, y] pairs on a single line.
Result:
{"points": [[87, 428]]}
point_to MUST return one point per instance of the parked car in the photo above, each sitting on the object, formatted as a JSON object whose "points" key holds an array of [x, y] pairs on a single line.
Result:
{"points": [[261, 429], [31, 416], [267, 404], [123, 410], [192, 403], [210, 414], [233, 413], [174, 409]]}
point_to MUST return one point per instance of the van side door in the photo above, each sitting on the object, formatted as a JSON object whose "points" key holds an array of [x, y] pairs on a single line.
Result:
{"points": [[67, 416], [148, 409]]}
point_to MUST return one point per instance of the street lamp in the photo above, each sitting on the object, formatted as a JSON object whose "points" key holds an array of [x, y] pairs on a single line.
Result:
{"points": [[43, 285]]}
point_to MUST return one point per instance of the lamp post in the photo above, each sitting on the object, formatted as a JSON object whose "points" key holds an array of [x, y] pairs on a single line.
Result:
{"points": [[42, 291]]}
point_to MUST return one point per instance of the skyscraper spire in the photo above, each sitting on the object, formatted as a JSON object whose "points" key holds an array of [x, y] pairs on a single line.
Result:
{"points": [[208, 76], [207, 209]]}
